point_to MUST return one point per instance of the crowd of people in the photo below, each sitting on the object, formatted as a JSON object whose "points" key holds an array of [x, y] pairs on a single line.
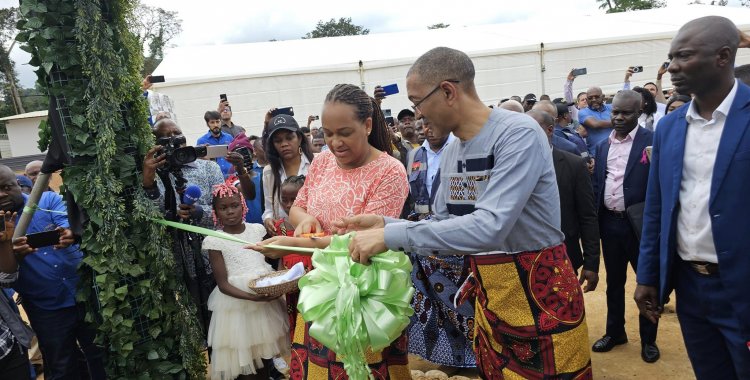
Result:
{"points": [[503, 211]]}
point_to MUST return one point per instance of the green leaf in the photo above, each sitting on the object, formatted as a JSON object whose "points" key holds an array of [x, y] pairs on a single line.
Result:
{"points": [[122, 290], [33, 23], [47, 66], [152, 355]]}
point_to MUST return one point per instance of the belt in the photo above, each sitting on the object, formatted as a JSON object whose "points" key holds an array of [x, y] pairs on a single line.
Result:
{"points": [[703, 267], [616, 214]]}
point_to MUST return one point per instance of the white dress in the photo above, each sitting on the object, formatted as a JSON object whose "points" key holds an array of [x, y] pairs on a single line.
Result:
{"points": [[243, 332]]}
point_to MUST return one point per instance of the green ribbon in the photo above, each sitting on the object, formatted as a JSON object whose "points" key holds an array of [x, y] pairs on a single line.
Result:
{"points": [[201, 230], [353, 307]]}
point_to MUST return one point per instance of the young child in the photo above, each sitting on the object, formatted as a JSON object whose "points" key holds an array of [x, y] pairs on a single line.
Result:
{"points": [[245, 328], [289, 189]]}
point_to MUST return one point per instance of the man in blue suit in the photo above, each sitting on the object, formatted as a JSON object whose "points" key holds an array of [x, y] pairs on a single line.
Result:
{"points": [[695, 228], [620, 178]]}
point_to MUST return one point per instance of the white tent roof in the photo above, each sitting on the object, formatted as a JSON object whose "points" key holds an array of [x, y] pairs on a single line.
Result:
{"points": [[191, 64]]}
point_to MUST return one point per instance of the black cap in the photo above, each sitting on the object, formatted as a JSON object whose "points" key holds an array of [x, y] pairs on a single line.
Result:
{"points": [[562, 101], [282, 122], [529, 98], [404, 112], [562, 109]]}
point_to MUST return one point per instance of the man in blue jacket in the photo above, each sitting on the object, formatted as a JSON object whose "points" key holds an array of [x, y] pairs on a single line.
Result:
{"points": [[695, 228], [620, 178]]}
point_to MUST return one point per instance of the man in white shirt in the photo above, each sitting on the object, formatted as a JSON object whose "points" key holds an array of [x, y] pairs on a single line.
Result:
{"points": [[695, 229]]}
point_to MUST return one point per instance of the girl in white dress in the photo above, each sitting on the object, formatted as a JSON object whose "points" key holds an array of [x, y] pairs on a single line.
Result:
{"points": [[245, 327]]}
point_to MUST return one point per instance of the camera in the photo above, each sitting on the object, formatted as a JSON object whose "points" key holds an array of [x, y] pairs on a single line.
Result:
{"points": [[637, 69], [177, 154]]}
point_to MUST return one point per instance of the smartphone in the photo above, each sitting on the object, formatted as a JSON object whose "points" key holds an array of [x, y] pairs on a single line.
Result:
{"points": [[389, 120], [247, 156], [214, 151], [223, 97], [317, 117], [157, 79], [390, 89], [387, 112], [666, 65], [577, 72], [43, 239], [283, 111], [637, 69]]}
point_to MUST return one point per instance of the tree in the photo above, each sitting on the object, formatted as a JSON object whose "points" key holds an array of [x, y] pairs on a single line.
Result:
{"points": [[614, 6], [155, 28], [439, 25], [8, 19], [333, 28]]}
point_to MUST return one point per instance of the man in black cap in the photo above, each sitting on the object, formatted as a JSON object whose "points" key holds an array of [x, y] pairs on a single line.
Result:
{"points": [[528, 102], [407, 128]]}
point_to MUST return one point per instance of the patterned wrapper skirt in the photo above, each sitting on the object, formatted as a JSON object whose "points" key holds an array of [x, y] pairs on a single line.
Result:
{"points": [[440, 332], [313, 361], [529, 316]]}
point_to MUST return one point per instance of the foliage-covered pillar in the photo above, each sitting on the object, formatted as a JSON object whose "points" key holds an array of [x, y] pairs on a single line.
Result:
{"points": [[89, 63]]}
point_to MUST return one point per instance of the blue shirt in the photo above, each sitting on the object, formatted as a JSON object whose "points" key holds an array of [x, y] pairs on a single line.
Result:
{"points": [[223, 139], [48, 278], [596, 135], [571, 135], [255, 206]]}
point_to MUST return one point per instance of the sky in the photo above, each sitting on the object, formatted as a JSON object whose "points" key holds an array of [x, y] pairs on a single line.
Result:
{"points": [[240, 21]]}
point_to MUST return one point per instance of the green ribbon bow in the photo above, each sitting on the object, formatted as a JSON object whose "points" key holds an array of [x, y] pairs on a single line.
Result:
{"points": [[353, 307]]}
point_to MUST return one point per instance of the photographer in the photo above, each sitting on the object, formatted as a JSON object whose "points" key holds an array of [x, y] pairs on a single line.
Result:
{"points": [[202, 173], [215, 136], [47, 281]]}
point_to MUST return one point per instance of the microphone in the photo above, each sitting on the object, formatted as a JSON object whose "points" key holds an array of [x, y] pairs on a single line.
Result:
{"points": [[191, 195]]}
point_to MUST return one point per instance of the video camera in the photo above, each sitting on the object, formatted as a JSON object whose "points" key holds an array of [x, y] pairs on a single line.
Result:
{"points": [[179, 155]]}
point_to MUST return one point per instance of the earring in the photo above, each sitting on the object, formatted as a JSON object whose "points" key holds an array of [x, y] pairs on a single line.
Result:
{"points": [[300, 150]]}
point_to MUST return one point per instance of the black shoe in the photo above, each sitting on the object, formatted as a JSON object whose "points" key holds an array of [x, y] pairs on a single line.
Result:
{"points": [[650, 353], [607, 343]]}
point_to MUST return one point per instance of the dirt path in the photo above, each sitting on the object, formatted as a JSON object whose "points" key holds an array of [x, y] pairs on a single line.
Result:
{"points": [[623, 362]]}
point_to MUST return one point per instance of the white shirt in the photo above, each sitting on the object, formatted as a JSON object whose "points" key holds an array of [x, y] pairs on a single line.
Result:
{"points": [[433, 161], [695, 240], [277, 212], [661, 109]]}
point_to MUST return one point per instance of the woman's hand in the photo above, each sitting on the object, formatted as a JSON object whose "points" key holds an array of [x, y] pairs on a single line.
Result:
{"points": [[308, 225], [10, 227], [269, 116]]}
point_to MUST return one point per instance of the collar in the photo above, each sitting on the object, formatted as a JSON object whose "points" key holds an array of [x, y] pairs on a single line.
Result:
{"points": [[426, 144], [629, 137], [602, 109], [722, 109]]}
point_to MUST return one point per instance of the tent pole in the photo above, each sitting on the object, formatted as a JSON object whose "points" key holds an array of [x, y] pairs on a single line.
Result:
{"points": [[542, 66], [361, 75]]}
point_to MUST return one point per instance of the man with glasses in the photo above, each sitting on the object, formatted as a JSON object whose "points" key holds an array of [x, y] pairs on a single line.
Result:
{"points": [[498, 203], [595, 118]]}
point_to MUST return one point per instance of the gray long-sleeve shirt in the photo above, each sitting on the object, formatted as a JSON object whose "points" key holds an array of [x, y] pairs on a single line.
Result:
{"points": [[498, 193]]}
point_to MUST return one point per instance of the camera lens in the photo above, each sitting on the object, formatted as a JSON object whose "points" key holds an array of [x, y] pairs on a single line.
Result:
{"points": [[184, 155]]}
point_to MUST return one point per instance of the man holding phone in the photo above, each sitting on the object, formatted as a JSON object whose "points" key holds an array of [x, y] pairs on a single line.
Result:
{"points": [[48, 284], [216, 136], [227, 125]]}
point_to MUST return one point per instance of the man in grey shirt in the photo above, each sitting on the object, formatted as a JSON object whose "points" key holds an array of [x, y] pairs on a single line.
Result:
{"points": [[498, 202]]}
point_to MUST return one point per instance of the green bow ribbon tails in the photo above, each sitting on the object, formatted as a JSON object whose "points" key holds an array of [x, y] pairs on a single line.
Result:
{"points": [[353, 307]]}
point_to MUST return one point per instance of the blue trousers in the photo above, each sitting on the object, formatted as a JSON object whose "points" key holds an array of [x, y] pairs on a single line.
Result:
{"points": [[709, 326], [63, 335]]}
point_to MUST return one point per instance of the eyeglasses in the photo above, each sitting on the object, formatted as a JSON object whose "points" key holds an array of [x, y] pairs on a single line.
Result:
{"points": [[416, 105]]}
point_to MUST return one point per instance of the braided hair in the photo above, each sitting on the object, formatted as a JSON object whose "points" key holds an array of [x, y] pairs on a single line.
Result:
{"points": [[226, 190], [364, 107], [296, 180]]}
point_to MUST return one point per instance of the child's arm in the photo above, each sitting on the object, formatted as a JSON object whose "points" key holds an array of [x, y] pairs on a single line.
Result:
{"points": [[220, 275], [321, 243]]}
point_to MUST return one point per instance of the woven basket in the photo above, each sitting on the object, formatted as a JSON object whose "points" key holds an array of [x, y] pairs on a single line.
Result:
{"points": [[274, 290]]}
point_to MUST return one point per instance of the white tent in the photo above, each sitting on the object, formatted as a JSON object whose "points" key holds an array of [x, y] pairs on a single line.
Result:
{"points": [[510, 59]]}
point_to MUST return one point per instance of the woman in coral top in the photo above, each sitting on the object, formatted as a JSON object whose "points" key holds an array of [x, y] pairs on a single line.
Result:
{"points": [[355, 176]]}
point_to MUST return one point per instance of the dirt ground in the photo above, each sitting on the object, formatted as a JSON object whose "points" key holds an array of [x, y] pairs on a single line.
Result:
{"points": [[623, 362]]}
